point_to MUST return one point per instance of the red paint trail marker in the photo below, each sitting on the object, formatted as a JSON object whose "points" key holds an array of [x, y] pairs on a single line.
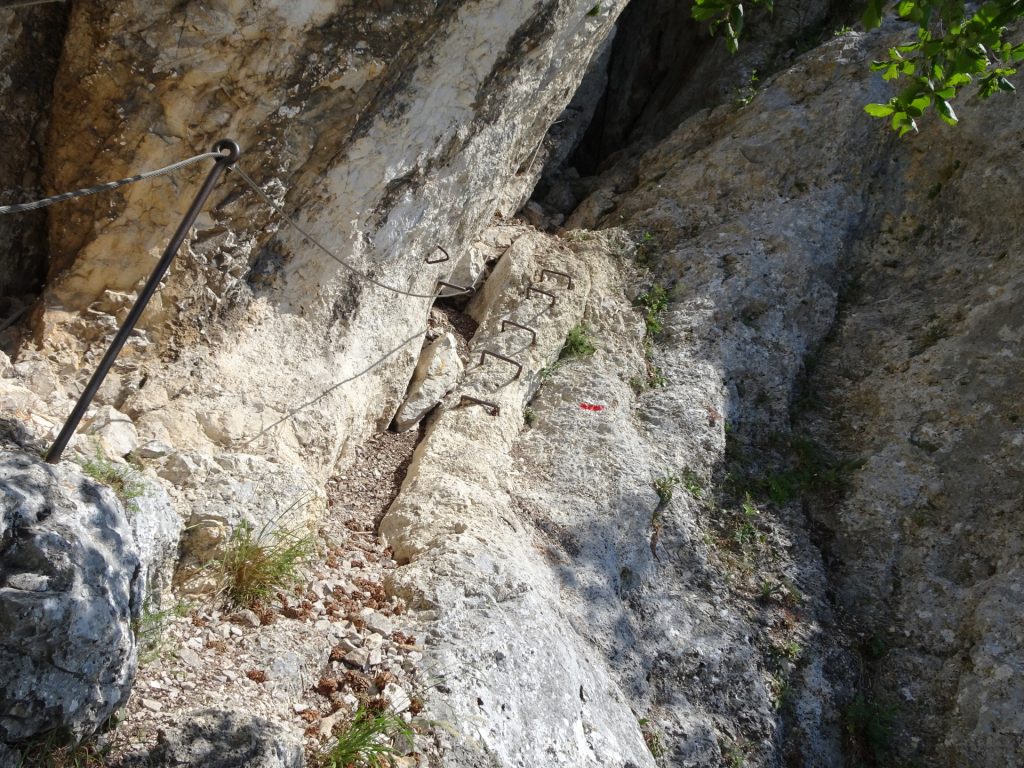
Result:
{"points": [[591, 407]]}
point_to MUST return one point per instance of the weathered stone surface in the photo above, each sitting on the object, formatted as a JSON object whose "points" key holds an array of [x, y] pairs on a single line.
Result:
{"points": [[919, 388], [224, 739], [69, 590], [436, 374], [30, 45], [157, 529], [513, 664], [384, 132], [112, 432]]}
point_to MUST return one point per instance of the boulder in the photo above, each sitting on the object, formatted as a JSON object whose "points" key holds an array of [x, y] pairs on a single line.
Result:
{"points": [[70, 588], [437, 373]]}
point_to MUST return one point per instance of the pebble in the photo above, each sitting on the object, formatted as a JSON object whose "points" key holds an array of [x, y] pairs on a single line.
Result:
{"points": [[377, 623], [152, 705], [190, 657], [358, 657]]}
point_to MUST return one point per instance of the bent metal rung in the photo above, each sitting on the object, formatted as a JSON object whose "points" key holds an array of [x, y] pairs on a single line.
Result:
{"points": [[509, 360], [532, 289], [446, 257], [230, 152], [545, 272], [487, 405], [521, 327]]}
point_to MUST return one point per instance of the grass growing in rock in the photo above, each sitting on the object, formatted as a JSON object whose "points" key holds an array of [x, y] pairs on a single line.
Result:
{"points": [[122, 480], [578, 344], [368, 741], [654, 302], [256, 564], [664, 486]]}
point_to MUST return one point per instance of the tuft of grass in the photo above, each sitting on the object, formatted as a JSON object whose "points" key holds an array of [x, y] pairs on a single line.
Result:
{"points": [[256, 564], [654, 303], [652, 739], [529, 416], [664, 487], [124, 481], [870, 726], [54, 750], [368, 741], [577, 344]]}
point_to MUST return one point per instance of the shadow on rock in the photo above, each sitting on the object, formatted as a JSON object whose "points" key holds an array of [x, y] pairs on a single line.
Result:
{"points": [[215, 738]]}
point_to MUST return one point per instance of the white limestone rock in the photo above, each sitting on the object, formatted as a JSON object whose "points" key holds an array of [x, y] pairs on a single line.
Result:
{"points": [[438, 372], [70, 588]]}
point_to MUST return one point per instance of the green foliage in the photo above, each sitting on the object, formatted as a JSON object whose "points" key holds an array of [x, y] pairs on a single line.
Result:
{"points": [[654, 302], [254, 565], [811, 470], [577, 344], [529, 416], [595, 11], [367, 742], [953, 50], [692, 483], [652, 738], [726, 16], [124, 481], [745, 534], [870, 726], [664, 487]]}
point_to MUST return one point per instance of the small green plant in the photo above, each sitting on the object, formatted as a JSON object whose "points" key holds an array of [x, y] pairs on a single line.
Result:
{"points": [[692, 483], [746, 93], [664, 487], [52, 750], [791, 649], [735, 756], [577, 344], [870, 726], [645, 244], [746, 534], [654, 302], [368, 741], [255, 564], [652, 739], [529, 416], [595, 11], [149, 629], [124, 481]]}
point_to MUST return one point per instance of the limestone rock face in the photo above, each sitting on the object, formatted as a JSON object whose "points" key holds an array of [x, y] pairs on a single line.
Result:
{"points": [[30, 44], [437, 373], [223, 739], [70, 588], [385, 131]]}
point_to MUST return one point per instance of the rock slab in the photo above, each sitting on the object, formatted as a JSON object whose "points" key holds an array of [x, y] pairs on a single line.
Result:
{"points": [[70, 588]]}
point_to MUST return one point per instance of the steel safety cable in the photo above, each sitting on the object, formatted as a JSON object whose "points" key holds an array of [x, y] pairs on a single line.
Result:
{"points": [[106, 187], [26, 3], [358, 273], [291, 414]]}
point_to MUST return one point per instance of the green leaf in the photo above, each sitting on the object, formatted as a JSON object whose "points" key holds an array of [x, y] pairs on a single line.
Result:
{"points": [[946, 112], [1005, 85], [873, 14], [879, 110]]}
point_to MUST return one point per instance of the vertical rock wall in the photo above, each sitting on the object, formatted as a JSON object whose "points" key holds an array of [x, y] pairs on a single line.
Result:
{"points": [[385, 129], [30, 45]]}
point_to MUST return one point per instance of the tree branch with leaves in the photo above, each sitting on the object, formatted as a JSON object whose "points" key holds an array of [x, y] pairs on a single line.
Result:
{"points": [[954, 49]]}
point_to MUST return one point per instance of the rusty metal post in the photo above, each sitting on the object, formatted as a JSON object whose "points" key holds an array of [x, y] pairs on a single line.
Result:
{"points": [[231, 152]]}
